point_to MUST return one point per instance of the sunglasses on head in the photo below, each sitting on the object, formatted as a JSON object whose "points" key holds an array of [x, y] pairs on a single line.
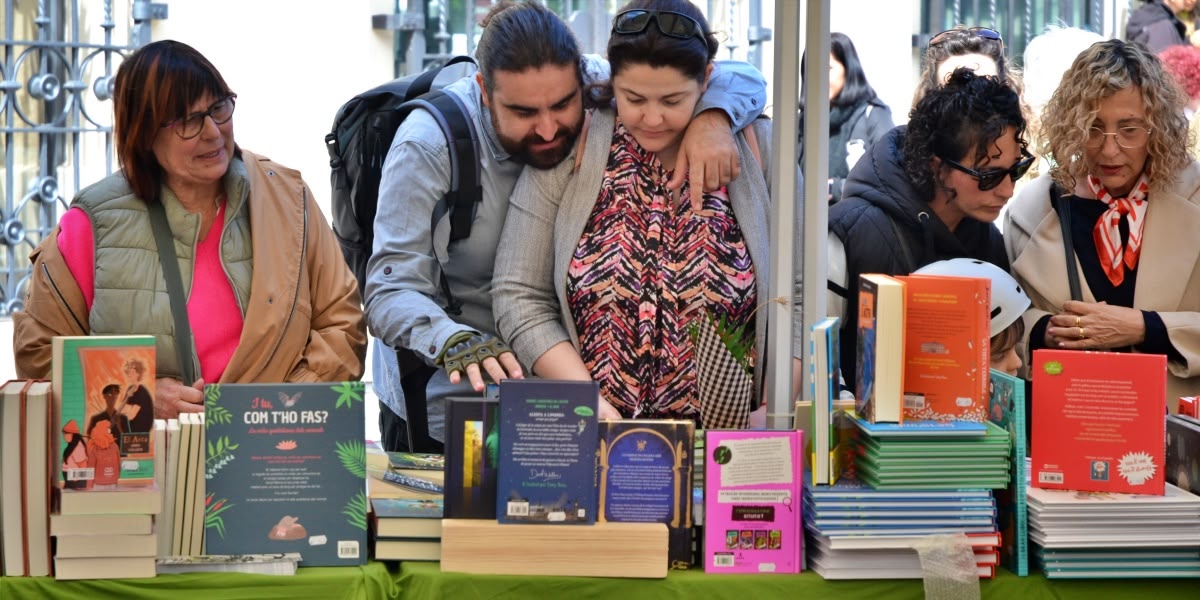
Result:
{"points": [[993, 177], [671, 24], [983, 32]]}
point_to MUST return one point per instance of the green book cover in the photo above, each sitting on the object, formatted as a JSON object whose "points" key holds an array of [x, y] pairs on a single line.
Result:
{"points": [[1007, 410], [285, 469], [104, 390]]}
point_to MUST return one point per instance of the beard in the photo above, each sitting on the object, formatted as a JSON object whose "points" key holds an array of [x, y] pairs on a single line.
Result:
{"points": [[521, 149]]}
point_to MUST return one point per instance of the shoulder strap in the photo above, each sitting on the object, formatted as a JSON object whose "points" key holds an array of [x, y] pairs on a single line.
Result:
{"points": [[465, 182], [170, 269], [1064, 220]]}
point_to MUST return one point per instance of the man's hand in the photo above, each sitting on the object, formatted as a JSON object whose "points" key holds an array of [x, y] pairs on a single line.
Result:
{"points": [[171, 397], [497, 359], [708, 157]]}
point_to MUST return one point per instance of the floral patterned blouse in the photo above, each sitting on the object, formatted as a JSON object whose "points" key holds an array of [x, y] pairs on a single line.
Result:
{"points": [[643, 270]]}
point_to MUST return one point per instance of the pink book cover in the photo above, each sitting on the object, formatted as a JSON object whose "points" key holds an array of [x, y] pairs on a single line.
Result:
{"points": [[752, 506]]}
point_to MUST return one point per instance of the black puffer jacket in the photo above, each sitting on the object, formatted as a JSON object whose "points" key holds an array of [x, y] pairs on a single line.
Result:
{"points": [[887, 228]]}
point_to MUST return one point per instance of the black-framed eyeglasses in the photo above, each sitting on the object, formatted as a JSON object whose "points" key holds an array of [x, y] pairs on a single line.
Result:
{"points": [[190, 126], [993, 177], [986, 33], [672, 24], [1130, 138]]}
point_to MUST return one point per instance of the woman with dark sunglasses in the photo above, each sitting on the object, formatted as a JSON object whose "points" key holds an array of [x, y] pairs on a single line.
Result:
{"points": [[264, 289], [928, 191], [1125, 192], [600, 273]]}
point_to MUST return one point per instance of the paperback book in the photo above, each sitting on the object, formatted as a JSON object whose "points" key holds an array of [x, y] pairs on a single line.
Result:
{"points": [[104, 390], [946, 347], [472, 455], [752, 502], [1098, 421], [644, 475], [1183, 452], [1008, 410], [285, 471], [825, 353], [548, 443], [879, 372]]}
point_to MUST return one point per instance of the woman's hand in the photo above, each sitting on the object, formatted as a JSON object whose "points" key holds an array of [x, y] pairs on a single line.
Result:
{"points": [[171, 397], [1095, 326], [607, 411]]}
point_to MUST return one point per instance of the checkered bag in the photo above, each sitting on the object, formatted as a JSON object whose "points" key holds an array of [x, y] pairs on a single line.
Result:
{"points": [[725, 387]]}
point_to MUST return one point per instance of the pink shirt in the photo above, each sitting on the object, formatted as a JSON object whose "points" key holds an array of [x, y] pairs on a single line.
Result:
{"points": [[212, 306]]}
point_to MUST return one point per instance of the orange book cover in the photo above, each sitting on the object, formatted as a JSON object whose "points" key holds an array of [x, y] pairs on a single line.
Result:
{"points": [[946, 347], [879, 372], [1099, 421]]}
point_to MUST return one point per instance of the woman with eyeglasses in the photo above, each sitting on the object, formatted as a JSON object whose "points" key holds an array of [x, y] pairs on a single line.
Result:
{"points": [[857, 117], [1125, 192], [264, 293], [929, 191], [600, 273]]}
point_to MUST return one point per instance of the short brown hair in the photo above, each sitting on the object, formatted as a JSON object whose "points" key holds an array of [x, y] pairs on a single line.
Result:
{"points": [[154, 86]]}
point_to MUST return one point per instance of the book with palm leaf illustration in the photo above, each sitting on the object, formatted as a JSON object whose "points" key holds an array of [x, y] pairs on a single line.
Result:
{"points": [[285, 468]]}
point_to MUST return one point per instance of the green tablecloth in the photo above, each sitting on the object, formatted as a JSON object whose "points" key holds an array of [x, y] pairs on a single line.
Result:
{"points": [[327, 583], [425, 581]]}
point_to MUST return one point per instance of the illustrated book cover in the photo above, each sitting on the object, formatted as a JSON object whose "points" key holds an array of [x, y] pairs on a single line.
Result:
{"points": [[472, 455], [1098, 421], [879, 373], [104, 390], [407, 518], [285, 471], [645, 476], [752, 501], [946, 347], [548, 443], [1008, 411], [824, 365]]}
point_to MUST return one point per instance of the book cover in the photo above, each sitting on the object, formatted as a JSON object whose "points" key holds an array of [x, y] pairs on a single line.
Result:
{"points": [[286, 471], [752, 502], [472, 455], [946, 347], [879, 372], [1008, 410], [645, 476], [548, 443], [824, 348], [104, 394], [407, 518], [920, 428], [1098, 421], [420, 461], [1183, 452]]}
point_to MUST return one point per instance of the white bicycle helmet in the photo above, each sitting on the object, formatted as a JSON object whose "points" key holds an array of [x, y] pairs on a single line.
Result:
{"points": [[1008, 299]]}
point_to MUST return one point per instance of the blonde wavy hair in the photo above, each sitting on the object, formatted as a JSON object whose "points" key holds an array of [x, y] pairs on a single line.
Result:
{"points": [[1102, 70]]}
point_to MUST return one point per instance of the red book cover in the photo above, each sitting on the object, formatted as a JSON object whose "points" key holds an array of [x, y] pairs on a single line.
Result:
{"points": [[946, 348], [1099, 421]]}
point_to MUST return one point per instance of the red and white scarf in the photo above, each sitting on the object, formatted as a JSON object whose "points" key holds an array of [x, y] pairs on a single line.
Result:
{"points": [[1107, 234]]}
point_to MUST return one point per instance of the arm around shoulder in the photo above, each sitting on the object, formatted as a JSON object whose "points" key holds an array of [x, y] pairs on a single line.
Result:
{"points": [[737, 89]]}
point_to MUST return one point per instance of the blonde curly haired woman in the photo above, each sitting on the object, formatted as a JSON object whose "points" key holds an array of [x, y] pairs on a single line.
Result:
{"points": [[1125, 194]]}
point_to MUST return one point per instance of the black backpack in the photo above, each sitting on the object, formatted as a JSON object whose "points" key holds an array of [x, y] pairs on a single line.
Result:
{"points": [[362, 135]]}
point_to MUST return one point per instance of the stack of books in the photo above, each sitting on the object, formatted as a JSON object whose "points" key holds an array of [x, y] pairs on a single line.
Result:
{"points": [[407, 528], [859, 532], [24, 479], [1105, 534], [934, 455]]}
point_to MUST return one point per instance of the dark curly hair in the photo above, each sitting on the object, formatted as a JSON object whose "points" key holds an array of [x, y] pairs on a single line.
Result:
{"points": [[968, 114]]}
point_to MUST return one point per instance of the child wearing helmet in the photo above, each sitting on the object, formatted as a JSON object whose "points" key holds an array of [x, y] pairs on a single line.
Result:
{"points": [[1008, 303]]}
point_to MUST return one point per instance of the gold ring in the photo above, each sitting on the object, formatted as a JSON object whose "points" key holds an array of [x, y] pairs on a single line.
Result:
{"points": [[1081, 334], [1077, 321]]}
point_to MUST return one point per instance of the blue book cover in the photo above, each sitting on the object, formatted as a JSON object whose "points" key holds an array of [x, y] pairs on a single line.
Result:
{"points": [[548, 443], [286, 469], [645, 476], [472, 456], [1007, 409]]}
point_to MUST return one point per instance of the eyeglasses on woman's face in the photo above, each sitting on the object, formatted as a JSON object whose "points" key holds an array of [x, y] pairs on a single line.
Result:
{"points": [[1130, 138], [190, 126], [991, 178]]}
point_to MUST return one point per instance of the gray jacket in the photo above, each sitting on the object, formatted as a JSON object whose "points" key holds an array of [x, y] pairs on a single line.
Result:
{"points": [[550, 210]]}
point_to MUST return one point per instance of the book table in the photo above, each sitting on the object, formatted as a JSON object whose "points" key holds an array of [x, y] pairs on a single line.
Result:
{"points": [[424, 581]]}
